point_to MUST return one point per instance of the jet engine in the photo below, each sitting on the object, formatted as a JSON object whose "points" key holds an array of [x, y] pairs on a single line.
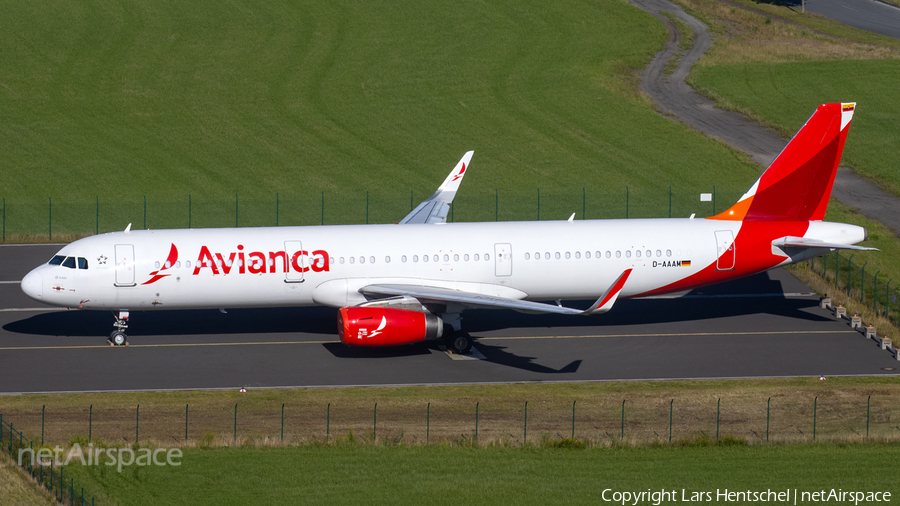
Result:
{"points": [[385, 326]]}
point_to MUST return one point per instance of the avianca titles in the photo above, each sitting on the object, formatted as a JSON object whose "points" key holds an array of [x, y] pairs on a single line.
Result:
{"points": [[406, 282]]}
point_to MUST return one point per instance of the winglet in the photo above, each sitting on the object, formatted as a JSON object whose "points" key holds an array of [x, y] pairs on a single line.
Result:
{"points": [[435, 208], [606, 301]]}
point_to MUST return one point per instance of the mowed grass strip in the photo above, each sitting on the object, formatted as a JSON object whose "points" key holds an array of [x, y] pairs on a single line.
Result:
{"points": [[434, 414], [121, 100], [444, 475]]}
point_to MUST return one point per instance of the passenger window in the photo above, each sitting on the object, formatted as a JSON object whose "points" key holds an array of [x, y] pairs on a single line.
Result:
{"points": [[415, 258], [187, 264], [362, 260], [371, 260], [403, 258], [668, 252], [598, 254], [577, 255], [628, 253], [56, 260], [546, 255], [608, 254], [466, 257], [649, 253], [486, 257], [341, 260], [618, 254], [476, 257], [456, 258], [587, 254], [557, 255], [446, 257], [637, 253], [82, 263], [436, 258], [352, 260], [69, 262], [568, 255], [527, 256], [387, 259], [424, 258]]}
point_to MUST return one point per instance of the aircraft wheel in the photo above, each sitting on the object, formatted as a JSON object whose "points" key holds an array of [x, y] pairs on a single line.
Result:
{"points": [[460, 343], [118, 338]]}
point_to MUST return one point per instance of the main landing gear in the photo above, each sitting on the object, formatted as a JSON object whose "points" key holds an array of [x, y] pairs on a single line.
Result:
{"points": [[117, 337], [457, 340]]}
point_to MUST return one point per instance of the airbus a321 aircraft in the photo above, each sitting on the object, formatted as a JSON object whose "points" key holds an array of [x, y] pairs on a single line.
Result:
{"points": [[407, 282]]}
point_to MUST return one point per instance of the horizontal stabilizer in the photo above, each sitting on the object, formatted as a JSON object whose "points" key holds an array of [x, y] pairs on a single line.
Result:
{"points": [[799, 242], [436, 207], [433, 294]]}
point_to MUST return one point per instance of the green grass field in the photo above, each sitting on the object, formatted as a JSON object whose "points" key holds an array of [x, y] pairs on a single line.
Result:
{"points": [[440, 475], [120, 100], [783, 94]]}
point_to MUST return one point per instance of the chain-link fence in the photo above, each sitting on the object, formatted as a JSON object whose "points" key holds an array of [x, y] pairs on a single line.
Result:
{"points": [[65, 219], [32, 456], [786, 417]]}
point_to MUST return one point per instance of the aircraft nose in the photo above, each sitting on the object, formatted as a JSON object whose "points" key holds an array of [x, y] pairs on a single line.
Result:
{"points": [[33, 285]]}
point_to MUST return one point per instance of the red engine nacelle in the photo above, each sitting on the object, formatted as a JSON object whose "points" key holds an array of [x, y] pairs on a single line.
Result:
{"points": [[385, 326]]}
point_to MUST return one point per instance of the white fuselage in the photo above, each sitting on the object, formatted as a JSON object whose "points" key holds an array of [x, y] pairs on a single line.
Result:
{"points": [[327, 265]]}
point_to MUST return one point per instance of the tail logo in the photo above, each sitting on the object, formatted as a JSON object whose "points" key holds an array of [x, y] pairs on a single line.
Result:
{"points": [[170, 261]]}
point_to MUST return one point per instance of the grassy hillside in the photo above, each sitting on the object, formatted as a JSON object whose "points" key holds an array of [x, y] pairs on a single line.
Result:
{"points": [[118, 100]]}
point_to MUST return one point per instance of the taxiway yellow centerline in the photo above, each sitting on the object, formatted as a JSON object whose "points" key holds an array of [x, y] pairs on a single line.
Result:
{"points": [[507, 338]]}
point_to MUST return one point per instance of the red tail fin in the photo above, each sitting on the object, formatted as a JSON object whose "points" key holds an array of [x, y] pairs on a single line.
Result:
{"points": [[797, 185]]}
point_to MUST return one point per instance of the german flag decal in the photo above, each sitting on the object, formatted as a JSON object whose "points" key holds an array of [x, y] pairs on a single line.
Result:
{"points": [[685, 263]]}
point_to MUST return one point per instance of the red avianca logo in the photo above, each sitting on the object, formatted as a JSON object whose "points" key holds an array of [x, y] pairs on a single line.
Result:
{"points": [[254, 262]]}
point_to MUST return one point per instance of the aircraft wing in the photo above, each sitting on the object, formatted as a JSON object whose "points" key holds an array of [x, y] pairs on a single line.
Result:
{"points": [[436, 207], [434, 294], [800, 242]]}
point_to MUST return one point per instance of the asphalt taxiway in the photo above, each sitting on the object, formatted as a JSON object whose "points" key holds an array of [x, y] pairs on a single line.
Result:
{"points": [[748, 328]]}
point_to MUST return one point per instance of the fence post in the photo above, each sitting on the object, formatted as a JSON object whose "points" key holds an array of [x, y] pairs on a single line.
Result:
{"points": [[875, 294], [849, 270], [42, 424], [476, 421], [815, 412], [623, 419], [71, 491], [887, 300], [282, 422], [837, 265], [235, 423], [670, 417], [189, 210], [185, 421], [573, 419], [328, 421], [583, 203], [718, 410], [862, 284], [525, 435], [137, 422], [868, 405], [375, 422], [51, 476], [427, 421], [62, 484], [768, 411]]}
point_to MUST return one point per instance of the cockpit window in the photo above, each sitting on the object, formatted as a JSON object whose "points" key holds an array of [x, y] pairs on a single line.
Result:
{"points": [[82, 263], [56, 260], [69, 262]]}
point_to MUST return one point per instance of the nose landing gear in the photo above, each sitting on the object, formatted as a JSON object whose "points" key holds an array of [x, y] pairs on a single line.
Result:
{"points": [[117, 337]]}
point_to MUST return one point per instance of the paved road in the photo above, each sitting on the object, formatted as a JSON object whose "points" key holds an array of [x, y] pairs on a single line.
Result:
{"points": [[672, 94], [740, 329], [869, 15]]}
